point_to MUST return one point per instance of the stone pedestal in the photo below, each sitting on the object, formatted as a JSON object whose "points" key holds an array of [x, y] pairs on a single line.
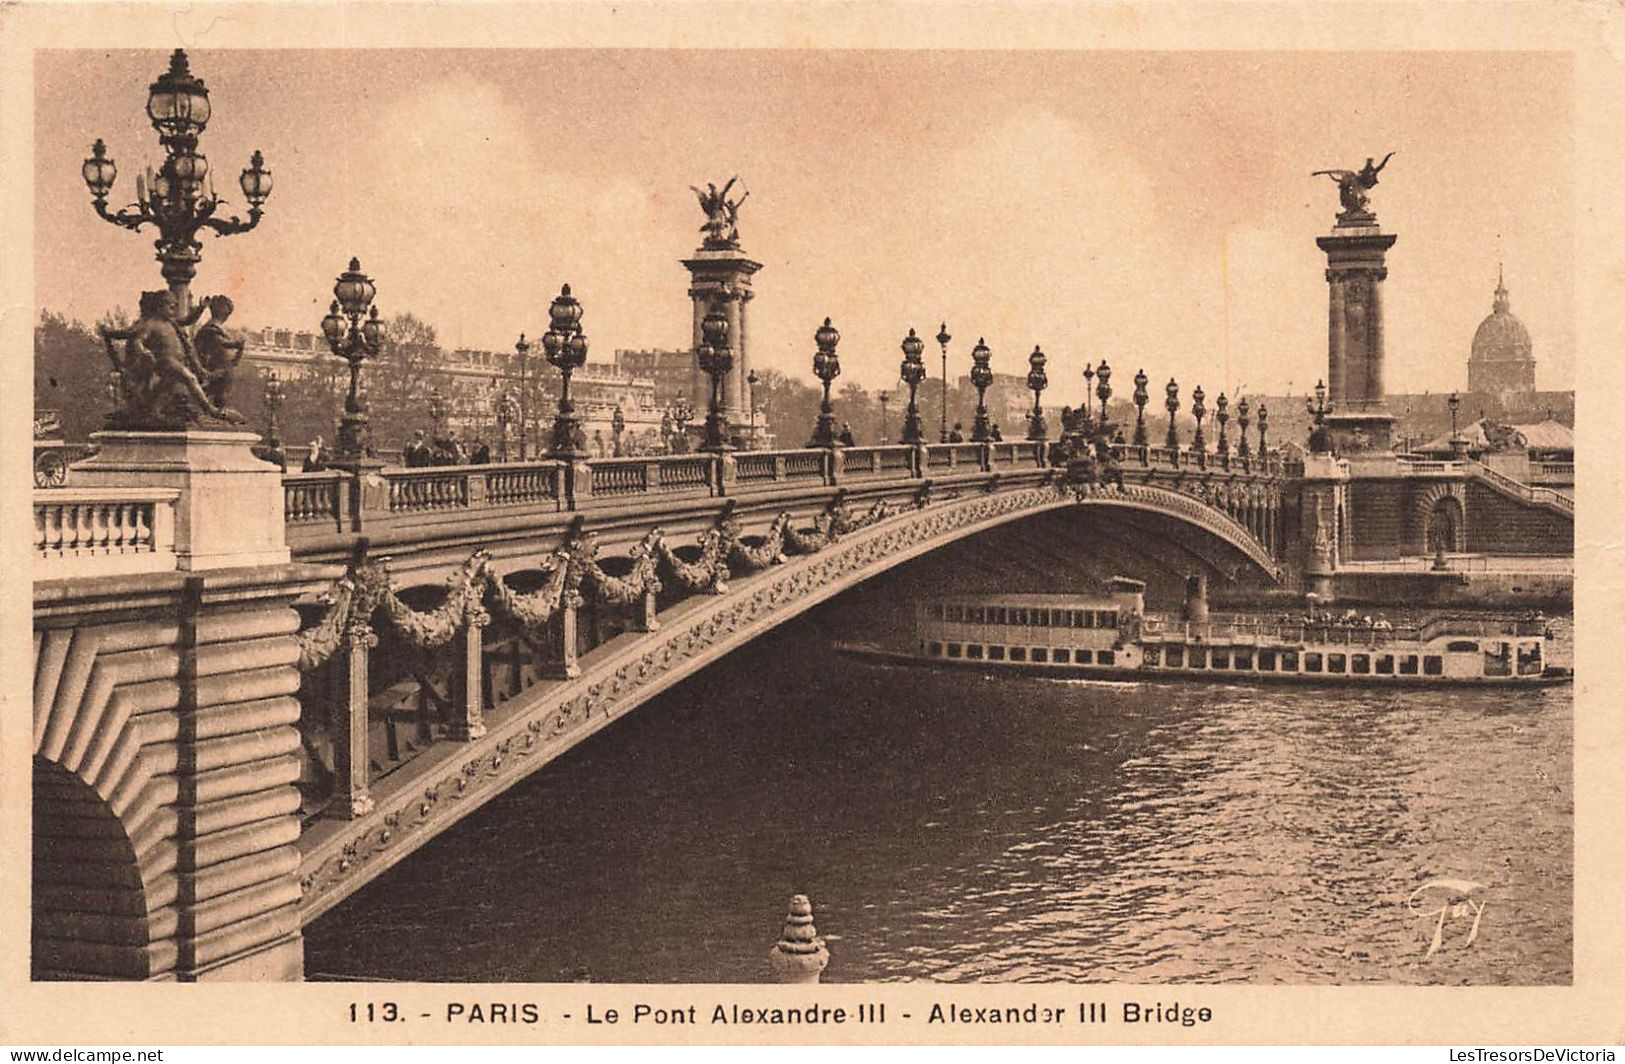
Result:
{"points": [[230, 509], [1356, 265]]}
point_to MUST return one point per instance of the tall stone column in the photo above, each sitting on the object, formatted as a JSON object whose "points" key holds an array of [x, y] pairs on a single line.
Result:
{"points": [[720, 279], [1356, 265]]}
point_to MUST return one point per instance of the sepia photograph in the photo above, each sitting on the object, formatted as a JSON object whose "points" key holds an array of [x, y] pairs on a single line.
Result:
{"points": [[674, 514]]}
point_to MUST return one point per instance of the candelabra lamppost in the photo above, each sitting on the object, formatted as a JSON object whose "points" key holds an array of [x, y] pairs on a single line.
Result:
{"points": [[912, 372], [617, 425], [1222, 416], [1103, 391], [682, 413], [355, 341], [942, 340], [565, 346], [1037, 381], [1172, 403], [1199, 411], [1317, 410], [981, 375], [1263, 430], [1141, 397], [753, 380], [1242, 410], [273, 404], [179, 199], [1455, 405], [715, 358], [1088, 390], [437, 414], [507, 410], [522, 350], [826, 367]]}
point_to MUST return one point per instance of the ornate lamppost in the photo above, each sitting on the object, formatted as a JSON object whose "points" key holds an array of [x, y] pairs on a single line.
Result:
{"points": [[1037, 381], [566, 348], [1317, 409], [1263, 430], [942, 340], [1172, 403], [1088, 390], [682, 413], [179, 200], [826, 367], [1455, 405], [617, 425], [753, 380], [885, 414], [1103, 391], [354, 341], [912, 373], [522, 350], [1242, 419], [437, 413], [273, 435], [507, 410], [715, 358], [1223, 418], [1199, 411], [1141, 397], [981, 375]]}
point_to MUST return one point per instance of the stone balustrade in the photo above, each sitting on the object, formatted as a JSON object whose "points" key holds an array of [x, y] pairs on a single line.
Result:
{"points": [[103, 531]]}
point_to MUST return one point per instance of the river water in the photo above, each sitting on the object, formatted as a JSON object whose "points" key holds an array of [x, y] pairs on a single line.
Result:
{"points": [[951, 826]]}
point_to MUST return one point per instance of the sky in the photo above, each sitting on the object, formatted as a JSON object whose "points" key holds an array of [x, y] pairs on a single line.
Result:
{"points": [[1151, 209]]}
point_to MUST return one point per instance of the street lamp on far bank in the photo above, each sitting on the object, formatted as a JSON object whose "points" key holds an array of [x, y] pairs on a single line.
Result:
{"points": [[354, 340], [942, 341]]}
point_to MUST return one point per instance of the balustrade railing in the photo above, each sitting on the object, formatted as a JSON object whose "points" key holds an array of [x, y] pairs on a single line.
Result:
{"points": [[101, 531], [511, 485], [689, 472], [309, 498], [1539, 496], [426, 490]]}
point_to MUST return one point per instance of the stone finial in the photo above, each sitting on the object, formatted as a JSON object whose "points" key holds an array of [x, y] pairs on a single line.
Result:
{"points": [[799, 956]]}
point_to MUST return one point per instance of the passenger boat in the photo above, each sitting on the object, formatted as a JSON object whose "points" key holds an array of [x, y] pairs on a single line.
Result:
{"points": [[1112, 637]]}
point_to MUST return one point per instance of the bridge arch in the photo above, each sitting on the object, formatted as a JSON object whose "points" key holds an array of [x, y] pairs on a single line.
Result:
{"points": [[548, 718]]}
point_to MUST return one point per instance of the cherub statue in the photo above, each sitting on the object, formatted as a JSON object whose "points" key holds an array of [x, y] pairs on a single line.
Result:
{"points": [[721, 226], [159, 387], [1352, 185], [217, 351]]}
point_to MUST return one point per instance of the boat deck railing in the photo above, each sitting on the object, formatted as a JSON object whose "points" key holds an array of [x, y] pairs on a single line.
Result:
{"points": [[1221, 629]]}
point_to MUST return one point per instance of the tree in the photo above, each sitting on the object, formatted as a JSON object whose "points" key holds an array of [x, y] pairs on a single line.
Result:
{"points": [[70, 375], [399, 380]]}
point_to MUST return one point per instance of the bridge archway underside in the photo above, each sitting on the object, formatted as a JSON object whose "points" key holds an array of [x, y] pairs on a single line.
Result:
{"points": [[526, 731]]}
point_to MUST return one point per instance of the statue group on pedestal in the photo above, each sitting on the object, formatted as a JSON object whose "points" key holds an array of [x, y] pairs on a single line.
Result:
{"points": [[721, 226], [1353, 186], [167, 377]]}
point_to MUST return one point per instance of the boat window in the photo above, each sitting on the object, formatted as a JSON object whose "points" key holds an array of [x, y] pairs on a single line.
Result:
{"points": [[934, 649], [995, 653], [1407, 665], [1337, 662], [956, 613], [954, 650], [1266, 661], [1498, 660], [973, 651], [1361, 663], [1221, 658], [1385, 664], [1082, 657], [1463, 646], [1062, 655], [1018, 615], [997, 615], [1041, 654], [1244, 659], [975, 614], [1433, 665], [1152, 655], [936, 611], [1528, 659], [1108, 618], [1086, 618], [1311, 662], [1018, 653], [1198, 657], [1106, 657], [1176, 656], [1289, 661]]}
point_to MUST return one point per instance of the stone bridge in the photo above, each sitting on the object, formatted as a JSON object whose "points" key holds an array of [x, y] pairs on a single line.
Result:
{"points": [[221, 756]]}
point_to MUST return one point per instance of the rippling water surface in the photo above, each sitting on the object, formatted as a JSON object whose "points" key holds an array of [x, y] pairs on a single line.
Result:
{"points": [[950, 826]]}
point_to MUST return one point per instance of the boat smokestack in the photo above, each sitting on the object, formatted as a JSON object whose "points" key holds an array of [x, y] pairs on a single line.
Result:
{"points": [[1196, 598]]}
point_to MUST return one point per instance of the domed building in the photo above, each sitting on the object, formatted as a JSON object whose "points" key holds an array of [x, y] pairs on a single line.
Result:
{"points": [[1502, 362]]}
